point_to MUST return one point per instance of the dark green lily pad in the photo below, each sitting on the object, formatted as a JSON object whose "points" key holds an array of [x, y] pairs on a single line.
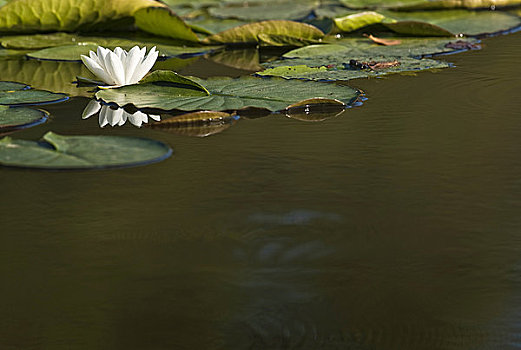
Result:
{"points": [[408, 5], [228, 94], [30, 97], [334, 68], [81, 152], [252, 33], [459, 21], [262, 11], [413, 47], [163, 22], [210, 25], [14, 118], [11, 86], [165, 76], [63, 53]]}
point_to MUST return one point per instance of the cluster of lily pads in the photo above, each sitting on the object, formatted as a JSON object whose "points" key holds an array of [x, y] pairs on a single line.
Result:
{"points": [[319, 44]]}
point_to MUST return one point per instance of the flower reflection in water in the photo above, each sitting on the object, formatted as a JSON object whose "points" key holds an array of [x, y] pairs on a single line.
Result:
{"points": [[113, 117]]}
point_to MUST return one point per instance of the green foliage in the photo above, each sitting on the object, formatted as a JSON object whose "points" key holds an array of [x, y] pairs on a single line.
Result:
{"points": [[81, 152], [19, 118], [33, 16], [228, 94], [163, 22]]}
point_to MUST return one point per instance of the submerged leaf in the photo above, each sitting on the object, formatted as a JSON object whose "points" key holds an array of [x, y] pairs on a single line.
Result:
{"points": [[81, 152]]}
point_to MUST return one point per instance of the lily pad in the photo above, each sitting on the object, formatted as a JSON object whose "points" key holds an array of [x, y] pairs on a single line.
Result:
{"points": [[261, 11], [409, 46], [33, 16], [163, 22], [456, 21], [334, 68], [81, 152], [228, 94], [63, 53], [29, 97], [199, 124], [359, 20], [252, 33], [14, 118], [165, 76], [11, 86]]}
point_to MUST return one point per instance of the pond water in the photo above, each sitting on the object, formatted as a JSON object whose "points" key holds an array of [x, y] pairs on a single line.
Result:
{"points": [[395, 225]]}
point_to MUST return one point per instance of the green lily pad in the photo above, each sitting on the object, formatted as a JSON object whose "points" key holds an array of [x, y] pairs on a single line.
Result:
{"points": [[452, 4], [81, 152], [29, 97], [12, 86], [249, 33], [198, 124], [456, 21], [33, 16], [228, 94], [14, 118], [252, 11], [359, 20], [373, 4], [63, 53], [163, 22], [336, 67], [409, 46], [165, 76]]}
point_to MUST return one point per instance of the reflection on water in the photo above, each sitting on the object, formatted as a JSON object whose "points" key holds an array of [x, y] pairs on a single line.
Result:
{"points": [[113, 116], [393, 226]]}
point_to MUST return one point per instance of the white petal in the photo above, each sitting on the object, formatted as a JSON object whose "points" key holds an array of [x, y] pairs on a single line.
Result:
{"points": [[122, 54], [147, 65], [115, 68], [92, 108], [155, 117], [114, 116], [124, 117], [138, 118], [97, 70], [102, 119], [134, 58]]}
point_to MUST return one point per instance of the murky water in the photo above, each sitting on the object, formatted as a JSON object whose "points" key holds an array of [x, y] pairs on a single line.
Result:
{"points": [[395, 225]]}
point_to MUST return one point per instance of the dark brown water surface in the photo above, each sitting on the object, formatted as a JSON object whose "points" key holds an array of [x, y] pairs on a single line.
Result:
{"points": [[396, 225]]}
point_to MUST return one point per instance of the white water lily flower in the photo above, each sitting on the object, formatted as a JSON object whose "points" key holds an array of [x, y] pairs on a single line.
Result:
{"points": [[120, 67], [113, 117]]}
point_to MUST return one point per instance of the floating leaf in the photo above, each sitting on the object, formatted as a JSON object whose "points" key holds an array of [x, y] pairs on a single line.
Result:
{"points": [[228, 94], [63, 53], [249, 33], [10, 86], [32, 16], [81, 152], [200, 124], [14, 118], [163, 22], [413, 47], [356, 21], [454, 21], [450, 4], [165, 76], [333, 68], [255, 11], [29, 97]]}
